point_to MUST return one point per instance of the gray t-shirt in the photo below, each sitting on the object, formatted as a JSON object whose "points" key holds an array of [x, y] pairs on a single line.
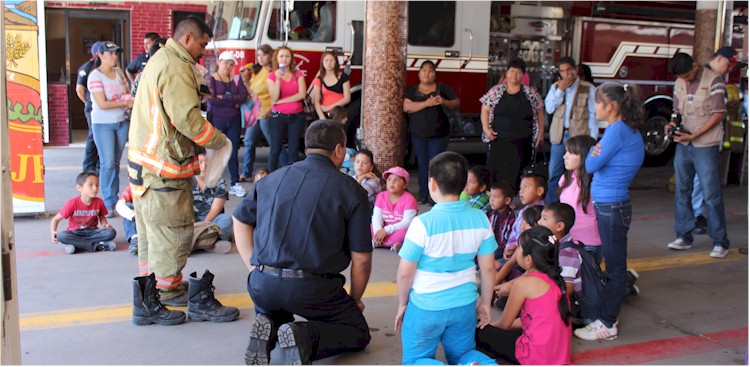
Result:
{"points": [[114, 90]]}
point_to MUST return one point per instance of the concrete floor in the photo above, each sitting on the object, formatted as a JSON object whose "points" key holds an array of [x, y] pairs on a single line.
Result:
{"points": [[75, 310]]}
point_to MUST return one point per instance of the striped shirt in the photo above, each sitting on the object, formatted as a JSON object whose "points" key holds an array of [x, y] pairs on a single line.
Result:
{"points": [[444, 242]]}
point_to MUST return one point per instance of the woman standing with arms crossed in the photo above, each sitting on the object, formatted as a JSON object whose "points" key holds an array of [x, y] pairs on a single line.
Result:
{"points": [[428, 122], [227, 94], [513, 123], [287, 88], [256, 77], [110, 97], [614, 163], [331, 88]]}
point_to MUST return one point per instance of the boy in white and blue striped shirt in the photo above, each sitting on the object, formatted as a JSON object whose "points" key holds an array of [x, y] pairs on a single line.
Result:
{"points": [[436, 276]]}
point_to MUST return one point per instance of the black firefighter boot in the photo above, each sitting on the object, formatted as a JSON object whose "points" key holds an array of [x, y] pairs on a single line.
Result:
{"points": [[202, 306], [147, 307]]}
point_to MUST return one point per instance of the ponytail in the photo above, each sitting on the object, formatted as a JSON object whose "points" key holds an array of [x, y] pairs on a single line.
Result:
{"points": [[97, 62], [543, 248], [628, 99]]}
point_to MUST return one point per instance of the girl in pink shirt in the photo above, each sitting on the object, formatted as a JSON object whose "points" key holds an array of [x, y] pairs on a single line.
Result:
{"points": [[545, 330], [575, 190], [394, 210], [287, 88]]}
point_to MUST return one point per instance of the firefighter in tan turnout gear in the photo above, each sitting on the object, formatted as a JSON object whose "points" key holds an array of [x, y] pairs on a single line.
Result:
{"points": [[166, 126]]}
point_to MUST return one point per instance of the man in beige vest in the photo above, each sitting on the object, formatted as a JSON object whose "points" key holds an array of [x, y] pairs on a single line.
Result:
{"points": [[571, 103], [699, 100]]}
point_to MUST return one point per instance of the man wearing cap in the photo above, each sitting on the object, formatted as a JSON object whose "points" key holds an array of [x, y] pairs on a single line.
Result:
{"points": [[166, 125], [722, 62], [699, 100], [137, 65], [90, 156], [296, 232]]}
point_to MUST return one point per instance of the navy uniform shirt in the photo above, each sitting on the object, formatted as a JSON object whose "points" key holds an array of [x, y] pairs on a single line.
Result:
{"points": [[138, 64], [308, 216], [83, 77]]}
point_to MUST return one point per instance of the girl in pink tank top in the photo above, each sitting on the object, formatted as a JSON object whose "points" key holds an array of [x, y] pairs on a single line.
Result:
{"points": [[539, 296]]}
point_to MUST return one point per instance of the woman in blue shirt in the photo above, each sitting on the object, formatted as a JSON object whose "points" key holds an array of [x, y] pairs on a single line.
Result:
{"points": [[614, 163]]}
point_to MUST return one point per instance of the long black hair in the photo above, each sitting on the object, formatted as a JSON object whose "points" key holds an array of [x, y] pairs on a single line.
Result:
{"points": [[541, 245], [580, 146], [628, 100]]}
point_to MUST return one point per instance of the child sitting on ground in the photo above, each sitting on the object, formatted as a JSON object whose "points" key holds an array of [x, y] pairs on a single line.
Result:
{"points": [[124, 207], [394, 210], [501, 216], [509, 268], [363, 169], [545, 328], [436, 275], [475, 192], [208, 205], [84, 214]]}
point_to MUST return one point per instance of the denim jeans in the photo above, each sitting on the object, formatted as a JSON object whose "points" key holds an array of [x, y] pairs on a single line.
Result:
{"points": [[110, 142], [614, 223], [595, 251], [281, 124], [425, 149], [90, 156], [86, 239], [690, 161], [224, 221], [556, 168], [423, 330], [697, 198], [252, 139], [232, 129]]}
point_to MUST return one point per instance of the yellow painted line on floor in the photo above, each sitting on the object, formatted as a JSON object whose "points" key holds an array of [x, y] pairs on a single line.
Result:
{"points": [[123, 312]]}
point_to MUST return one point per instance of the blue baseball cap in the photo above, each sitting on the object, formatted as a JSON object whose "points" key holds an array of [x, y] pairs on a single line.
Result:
{"points": [[96, 48]]}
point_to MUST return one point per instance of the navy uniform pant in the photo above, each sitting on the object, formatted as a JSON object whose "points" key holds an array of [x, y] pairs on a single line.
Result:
{"points": [[335, 324]]}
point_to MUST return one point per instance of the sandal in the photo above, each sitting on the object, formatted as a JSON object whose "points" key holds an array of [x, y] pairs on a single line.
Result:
{"points": [[244, 179]]}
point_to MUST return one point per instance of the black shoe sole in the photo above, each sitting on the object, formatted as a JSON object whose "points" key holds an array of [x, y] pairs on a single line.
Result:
{"points": [[289, 347], [194, 316], [257, 352], [144, 320]]}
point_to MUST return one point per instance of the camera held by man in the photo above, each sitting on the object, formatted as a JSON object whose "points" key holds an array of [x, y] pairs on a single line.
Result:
{"points": [[677, 127]]}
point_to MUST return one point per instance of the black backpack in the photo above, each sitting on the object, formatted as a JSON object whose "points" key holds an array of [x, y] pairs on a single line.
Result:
{"points": [[587, 305]]}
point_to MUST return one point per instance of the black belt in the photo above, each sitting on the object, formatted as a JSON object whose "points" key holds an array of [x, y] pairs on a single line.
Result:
{"points": [[290, 273]]}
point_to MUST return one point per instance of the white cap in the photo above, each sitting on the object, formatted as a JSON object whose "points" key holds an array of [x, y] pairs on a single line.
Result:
{"points": [[228, 55]]}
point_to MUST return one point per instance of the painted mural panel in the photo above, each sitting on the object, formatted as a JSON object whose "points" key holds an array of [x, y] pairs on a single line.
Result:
{"points": [[24, 104]]}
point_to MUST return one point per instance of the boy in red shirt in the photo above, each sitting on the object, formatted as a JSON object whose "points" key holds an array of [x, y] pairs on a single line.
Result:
{"points": [[84, 213]]}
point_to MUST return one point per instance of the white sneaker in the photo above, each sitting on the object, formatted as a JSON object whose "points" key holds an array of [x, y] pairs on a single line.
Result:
{"points": [[719, 252], [70, 249], [221, 247], [679, 244], [596, 331], [237, 190]]}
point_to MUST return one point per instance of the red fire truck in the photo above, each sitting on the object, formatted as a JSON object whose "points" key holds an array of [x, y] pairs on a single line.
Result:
{"points": [[471, 43]]}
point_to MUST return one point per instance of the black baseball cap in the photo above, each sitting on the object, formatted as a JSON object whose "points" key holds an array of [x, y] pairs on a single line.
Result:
{"points": [[110, 46]]}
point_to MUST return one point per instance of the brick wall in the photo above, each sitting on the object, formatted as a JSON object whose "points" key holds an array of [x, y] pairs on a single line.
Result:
{"points": [[58, 114], [144, 17]]}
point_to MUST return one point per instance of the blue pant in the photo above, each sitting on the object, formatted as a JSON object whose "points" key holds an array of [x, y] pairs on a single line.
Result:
{"points": [[90, 156], [281, 124], [252, 139], [425, 149], [232, 129], [129, 225], [614, 223], [86, 239], [697, 201], [556, 168], [690, 161], [224, 221], [595, 251], [454, 328], [110, 142]]}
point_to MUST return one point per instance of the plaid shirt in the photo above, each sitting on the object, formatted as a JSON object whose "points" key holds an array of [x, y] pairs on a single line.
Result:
{"points": [[480, 201], [492, 97], [501, 222]]}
